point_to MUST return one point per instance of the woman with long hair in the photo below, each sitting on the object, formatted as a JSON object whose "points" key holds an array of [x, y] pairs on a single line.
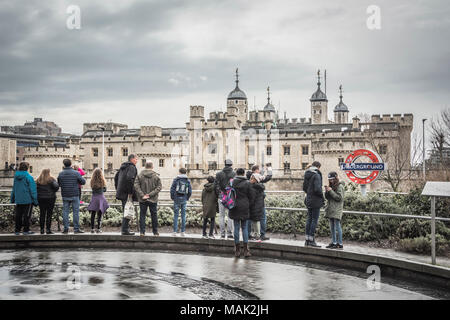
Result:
{"points": [[46, 193], [334, 193], [98, 204]]}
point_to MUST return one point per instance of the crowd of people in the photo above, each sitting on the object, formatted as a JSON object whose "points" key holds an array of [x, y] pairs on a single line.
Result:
{"points": [[236, 195]]}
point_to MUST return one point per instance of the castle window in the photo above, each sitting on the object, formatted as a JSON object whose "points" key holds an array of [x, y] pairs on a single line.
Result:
{"points": [[305, 150], [94, 166], [110, 166], [95, 152], [340, 160], [144, 161], [212, 148], [287, 168], [287, 150], [125, 152], [110, 152], [304, 165], [269, 150], [383, 149], [235, 102], [212, 165], [161, 163]]}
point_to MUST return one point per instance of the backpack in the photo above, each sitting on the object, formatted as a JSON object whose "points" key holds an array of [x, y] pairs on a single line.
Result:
{"points": [[228, 198], [182, 187]]}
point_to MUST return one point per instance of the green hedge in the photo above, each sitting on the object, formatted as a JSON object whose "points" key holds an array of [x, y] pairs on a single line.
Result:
{"points": [[409, 234]]}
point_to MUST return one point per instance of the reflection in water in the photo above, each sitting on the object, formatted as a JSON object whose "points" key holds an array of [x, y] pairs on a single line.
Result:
{"points": [[157, 275]]}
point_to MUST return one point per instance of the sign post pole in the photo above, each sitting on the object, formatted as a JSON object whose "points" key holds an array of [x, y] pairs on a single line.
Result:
{"points": [[433, 230]]}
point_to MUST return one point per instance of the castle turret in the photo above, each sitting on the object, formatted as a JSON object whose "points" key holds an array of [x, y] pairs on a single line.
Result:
{"points": [[319, 105], [237, 102], [341, 110]]}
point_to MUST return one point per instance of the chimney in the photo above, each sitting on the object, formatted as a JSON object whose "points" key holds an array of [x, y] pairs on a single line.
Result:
{"points": [[355, 124]]}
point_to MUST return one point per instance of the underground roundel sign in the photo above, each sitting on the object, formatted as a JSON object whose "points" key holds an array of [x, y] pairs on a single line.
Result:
{"points": [[363, 166]]}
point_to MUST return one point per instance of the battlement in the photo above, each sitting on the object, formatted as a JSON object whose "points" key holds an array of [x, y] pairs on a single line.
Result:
{"points": [[406, 119], [151, 131], [197, 111], [217, 115], [107, 126], [261, 115]]}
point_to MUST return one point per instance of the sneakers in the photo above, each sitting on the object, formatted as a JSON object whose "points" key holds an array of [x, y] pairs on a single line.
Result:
{"points": [[264, 238], [42, 231], [204, 236], [331, 246], [211, 236], [307, 243], [17, 233], [142, 234], [182, 234], [65, 231], [99, 231], [78, 231], [49, 232], [339, 246], [26, 233], [230, 236], [174, 234], [314, 244], [222, 236], [156, 234], [92, 230], [128, 233]]}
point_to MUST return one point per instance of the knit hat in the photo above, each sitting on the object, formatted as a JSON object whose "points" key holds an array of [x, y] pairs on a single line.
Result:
{"points": [[332, 175]]}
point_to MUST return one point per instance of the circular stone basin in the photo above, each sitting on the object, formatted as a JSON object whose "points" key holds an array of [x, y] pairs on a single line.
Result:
{"points": [[107, 274]]}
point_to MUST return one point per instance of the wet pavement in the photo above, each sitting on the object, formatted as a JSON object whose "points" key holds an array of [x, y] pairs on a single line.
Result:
{"points": [[109, 274]]}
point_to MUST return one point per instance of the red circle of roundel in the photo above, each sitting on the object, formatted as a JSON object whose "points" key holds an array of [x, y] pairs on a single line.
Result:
{"points": [[356, 154]]}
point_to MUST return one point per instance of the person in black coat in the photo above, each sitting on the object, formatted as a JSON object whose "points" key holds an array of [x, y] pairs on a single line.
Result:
{"points": [[221, 182], [124, 183], [241, 211], [257, 206], [312, 186], [46, 193]]}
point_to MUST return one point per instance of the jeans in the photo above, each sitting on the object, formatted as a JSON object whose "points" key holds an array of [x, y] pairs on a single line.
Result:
{"points": [[263, 224], [73, 202], [211, 226], [311, 223], [153, 207], [179, 203], [23, 215], [335, 225], [240, 224], [46, 211], [125, 222], [222, 213], [99, 219]]}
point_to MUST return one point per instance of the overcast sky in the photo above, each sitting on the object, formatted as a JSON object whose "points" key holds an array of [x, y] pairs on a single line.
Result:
{"points": [[144, 62]]}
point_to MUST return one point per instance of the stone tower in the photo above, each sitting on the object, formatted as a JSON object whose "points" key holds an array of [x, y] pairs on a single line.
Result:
{"points": [[341, 110], [319, 105], [237, 102]]}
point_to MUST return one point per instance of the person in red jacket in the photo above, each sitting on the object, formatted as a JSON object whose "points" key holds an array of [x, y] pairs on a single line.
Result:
{"points": [[82, 173]]}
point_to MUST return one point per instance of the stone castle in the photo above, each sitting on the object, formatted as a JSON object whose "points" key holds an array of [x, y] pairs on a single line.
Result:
{"points": [[202, 145]]}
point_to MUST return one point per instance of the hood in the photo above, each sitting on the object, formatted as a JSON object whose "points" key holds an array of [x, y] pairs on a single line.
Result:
{"points": [[258, 186], [20, 175], [182, 176], [148, 173], [227, 169], [311, 171], [238, 180], [209, 186], [126, 165]]}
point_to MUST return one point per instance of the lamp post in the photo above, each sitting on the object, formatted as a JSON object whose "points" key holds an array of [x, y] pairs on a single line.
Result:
{"points": [[423, 148], [103, 149]]}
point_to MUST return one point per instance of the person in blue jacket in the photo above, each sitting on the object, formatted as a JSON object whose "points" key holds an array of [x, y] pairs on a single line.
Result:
{"points": [[24, 195], [180, 192]]}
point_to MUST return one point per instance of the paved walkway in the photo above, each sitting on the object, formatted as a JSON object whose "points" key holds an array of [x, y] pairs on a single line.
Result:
{"points": [[441, 261]]}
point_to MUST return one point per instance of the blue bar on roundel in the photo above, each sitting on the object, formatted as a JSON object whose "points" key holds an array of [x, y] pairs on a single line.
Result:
{"points": [[362, 166]]}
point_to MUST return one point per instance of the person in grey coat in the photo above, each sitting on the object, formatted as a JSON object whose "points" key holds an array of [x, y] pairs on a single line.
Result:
{"points": [[334, 193], [210, 206]]}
